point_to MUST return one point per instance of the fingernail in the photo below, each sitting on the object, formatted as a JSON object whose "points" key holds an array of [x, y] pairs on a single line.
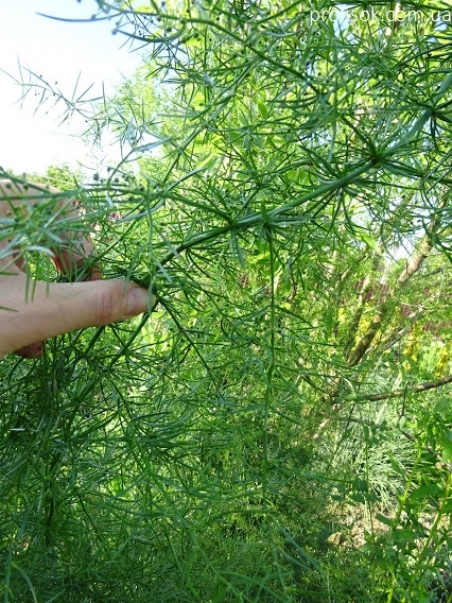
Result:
{"points": [[137, 301]]}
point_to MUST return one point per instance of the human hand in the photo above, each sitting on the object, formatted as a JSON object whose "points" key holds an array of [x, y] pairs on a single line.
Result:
{"points": [[32, 311]]}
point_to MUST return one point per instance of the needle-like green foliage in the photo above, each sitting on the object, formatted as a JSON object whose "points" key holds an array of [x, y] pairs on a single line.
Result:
{"points": [[279, 428]]}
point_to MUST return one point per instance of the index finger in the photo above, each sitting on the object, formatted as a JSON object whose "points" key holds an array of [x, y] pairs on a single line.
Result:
{"points": [[72, 248]]}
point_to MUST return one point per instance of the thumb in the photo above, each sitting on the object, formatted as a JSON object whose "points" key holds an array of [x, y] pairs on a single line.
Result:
{"points": [[58, 308]]}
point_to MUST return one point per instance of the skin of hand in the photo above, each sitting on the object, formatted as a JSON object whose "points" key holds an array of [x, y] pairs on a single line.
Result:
{"points": [[32, 311]]}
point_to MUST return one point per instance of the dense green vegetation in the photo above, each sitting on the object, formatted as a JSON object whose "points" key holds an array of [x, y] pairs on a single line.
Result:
{"points": [[279, 429]]}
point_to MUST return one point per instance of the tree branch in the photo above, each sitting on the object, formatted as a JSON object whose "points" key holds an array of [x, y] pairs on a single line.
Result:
{"points": [[401, 392], [416, 260], [365, 341], [412, 266]]}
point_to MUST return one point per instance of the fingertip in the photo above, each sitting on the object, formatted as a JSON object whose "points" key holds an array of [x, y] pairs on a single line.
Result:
{"points": [[34, 350], [137, 301]]}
